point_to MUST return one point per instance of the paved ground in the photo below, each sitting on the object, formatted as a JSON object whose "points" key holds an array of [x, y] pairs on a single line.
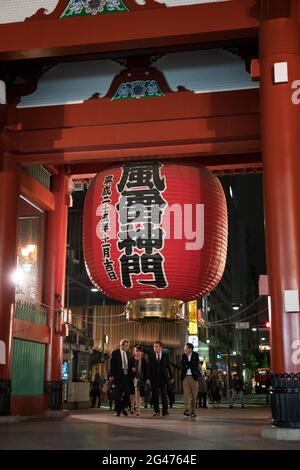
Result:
{"points": [[100, 429]]}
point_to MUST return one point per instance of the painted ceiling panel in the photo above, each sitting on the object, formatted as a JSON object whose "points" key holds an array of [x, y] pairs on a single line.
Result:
{"points": [[203, 71], [73, 83], [197, 71], [14, 11]]}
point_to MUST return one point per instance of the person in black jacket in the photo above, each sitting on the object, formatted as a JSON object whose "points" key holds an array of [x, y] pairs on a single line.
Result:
{"points": [[96, 390], [190, 374], [120, 375], [237, 390], [160, 373]]}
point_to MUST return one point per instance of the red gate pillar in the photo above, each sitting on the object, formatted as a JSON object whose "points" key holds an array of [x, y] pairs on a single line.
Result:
{"points": [[54, 287], [9, 195], [280, 124]]}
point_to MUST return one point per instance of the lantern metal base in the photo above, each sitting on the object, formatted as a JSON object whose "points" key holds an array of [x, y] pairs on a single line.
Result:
{"points": [[161, 309]]}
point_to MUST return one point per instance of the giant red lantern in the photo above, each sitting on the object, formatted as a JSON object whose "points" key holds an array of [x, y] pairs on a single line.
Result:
{"points": [[155, 230]]}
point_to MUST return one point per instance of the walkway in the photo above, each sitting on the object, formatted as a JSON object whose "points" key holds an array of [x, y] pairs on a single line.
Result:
{"points": [[100, 429]]}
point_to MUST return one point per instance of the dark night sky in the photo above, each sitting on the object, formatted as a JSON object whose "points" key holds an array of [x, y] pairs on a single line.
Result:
{"points": [[248, 194]]}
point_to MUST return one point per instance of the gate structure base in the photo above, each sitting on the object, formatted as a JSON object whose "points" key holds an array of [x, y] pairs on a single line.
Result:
{"points": [[48, 414], [57, 413], [10, 419], [281, 434]]}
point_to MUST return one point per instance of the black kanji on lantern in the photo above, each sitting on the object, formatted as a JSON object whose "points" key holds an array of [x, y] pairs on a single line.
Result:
{"points": [[154, 264], [106, 190], [146, 238], [140, 236], [143, 264], [108, 179], [140, 175], [129, 265], [108, 263], [141, 206]]}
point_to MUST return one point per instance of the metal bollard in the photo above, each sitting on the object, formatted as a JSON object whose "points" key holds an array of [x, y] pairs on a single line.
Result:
{"points": [[285, 400]]}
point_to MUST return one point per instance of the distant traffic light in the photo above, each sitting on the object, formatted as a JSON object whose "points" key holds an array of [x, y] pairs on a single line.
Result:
{"points": [[265, 324], [219, 356]]}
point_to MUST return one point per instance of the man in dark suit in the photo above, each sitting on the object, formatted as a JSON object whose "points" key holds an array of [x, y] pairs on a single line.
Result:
{"points": [[160, 373], [190, 374], [119, 373]]}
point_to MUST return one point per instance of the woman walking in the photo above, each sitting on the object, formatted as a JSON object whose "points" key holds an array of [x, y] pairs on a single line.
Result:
{"points": [[139, 375]]}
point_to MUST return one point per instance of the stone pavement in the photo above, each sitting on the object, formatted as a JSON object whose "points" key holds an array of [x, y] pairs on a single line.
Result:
{"points": [[100, 429]]}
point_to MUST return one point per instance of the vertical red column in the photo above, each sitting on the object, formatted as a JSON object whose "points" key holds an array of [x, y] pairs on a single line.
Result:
{"points": [[9, 195], [280, 130], [55, 284]]}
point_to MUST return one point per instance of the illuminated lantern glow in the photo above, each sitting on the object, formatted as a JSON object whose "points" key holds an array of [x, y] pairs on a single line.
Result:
{"points": [[155, 230]]}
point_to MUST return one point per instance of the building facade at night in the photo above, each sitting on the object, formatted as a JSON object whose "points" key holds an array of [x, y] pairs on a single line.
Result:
{"points": [[90, 85]]}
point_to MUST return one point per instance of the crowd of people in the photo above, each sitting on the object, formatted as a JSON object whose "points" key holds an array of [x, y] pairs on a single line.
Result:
{"points": [[132, 379]]}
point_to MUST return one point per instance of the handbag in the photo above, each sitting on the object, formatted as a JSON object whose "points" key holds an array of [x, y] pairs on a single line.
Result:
{"points": [[105, 387]]}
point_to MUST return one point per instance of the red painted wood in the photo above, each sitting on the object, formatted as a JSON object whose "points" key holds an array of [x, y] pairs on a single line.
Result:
{"points": [[201, 151], [56, 239], [28, 406], [52, 169], [198, 109], [280, 42], [141, 29], [30, 331], [178, 105], [9, 195], [36, 192], [178, 125], [213, 162], [171, 132]]}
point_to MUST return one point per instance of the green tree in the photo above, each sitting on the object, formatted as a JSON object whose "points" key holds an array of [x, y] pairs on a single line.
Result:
{"points": [[250, 361], [265, 362]]}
